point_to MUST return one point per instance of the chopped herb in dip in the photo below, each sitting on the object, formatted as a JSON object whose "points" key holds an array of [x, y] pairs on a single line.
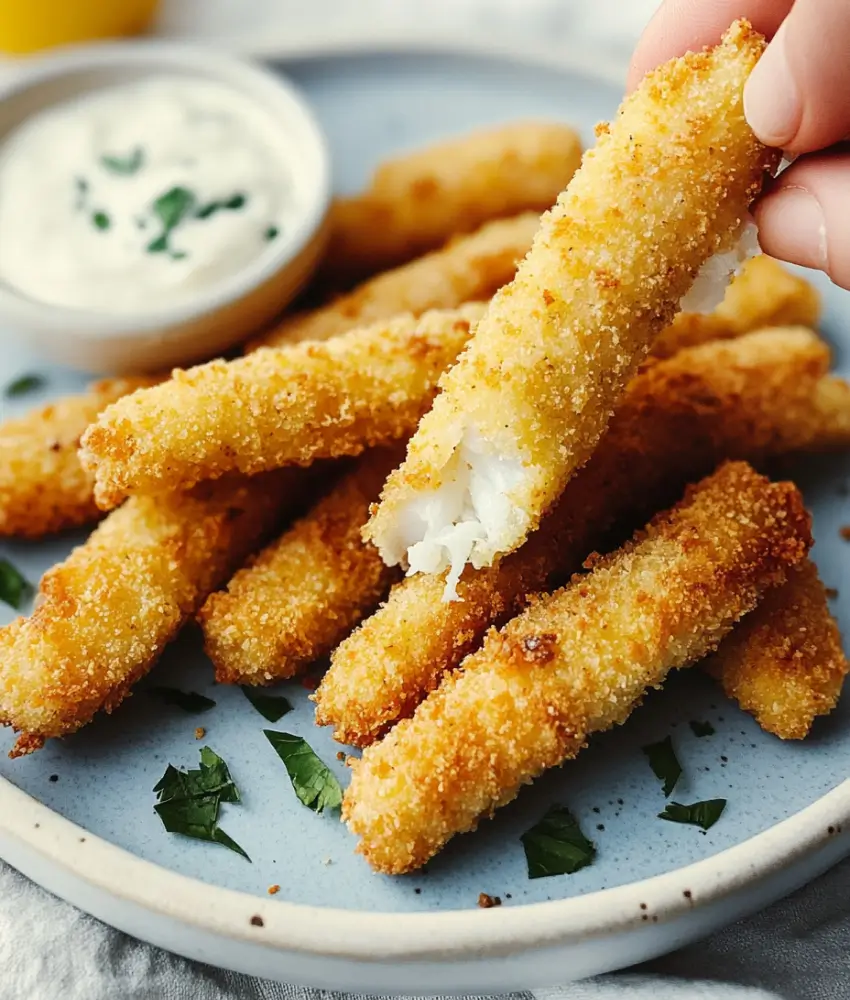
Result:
{"points": [[271, 233], [314, 782], [188, 802], [15, 589], [701, 814], [126, 165], [556, 845], [231, 204], [100, 220], [271, 706], [664, 763]]}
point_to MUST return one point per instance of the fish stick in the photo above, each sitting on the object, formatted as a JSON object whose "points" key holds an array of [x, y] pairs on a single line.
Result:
{"points": [[275, 407], [108, 611], [763, 294], [784, 663], [305, 591], [575, 663], [832, 418], [750, 398], [43, 486], [666, 187], [417, 201], [468, 269]]}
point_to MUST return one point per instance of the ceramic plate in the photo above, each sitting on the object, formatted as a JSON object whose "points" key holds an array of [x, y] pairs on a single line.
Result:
{"points": [[78, 816]]}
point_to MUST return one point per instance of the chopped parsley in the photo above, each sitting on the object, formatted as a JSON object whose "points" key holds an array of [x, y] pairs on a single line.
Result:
{"points": [[15, 589], [125, 165], [271, 706], [171, 208], [100, 220], [701, 728], [231, 204], [188, 802], [701, 814], [556, 845], [314, 782], [664, 763], [188, 701], [82, 186], [23, 384], [271, 233]]}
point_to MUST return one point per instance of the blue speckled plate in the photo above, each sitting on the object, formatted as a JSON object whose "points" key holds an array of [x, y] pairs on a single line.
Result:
{"points": [[102, 778]]}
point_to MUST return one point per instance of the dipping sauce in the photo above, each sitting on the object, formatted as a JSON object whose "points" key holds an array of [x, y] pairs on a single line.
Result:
{"points": [[140, 196]]}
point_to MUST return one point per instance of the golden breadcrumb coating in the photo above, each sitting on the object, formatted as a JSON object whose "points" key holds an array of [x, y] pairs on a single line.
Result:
{"points": [[43, 487], [833, 413], [108, 611], [305, 591], [575, 663], [275, 407], [667, 185], [418, 200], [784, 663], [763, 294], [467, 269], [749, 398]]}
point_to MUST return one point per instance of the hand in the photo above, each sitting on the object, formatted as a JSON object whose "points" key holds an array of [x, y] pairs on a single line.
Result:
{"points": [[798, 99]]}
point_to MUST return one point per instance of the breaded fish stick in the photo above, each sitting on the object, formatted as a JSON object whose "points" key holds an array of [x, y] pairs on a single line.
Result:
{"points": [[575, 663], [763, 294], [784, 663], [43, 487], [305, 591], [112, 606], [666, 187], [275, 407], [749, 398], [468, 269], [832, 400], [418, 200]]}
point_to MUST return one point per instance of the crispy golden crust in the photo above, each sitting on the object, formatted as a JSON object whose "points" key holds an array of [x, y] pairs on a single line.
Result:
{"points": [[275, 407], [43, 487], [748, 398], [111, 607], [763, 294], [468, 269], [418, 200], [305, 591], [574, 663], [666, 186], [784, 663], [832, 400]]}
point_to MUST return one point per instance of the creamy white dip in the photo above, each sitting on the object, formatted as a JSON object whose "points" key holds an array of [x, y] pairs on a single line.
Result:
{"points": [[140, 196]]}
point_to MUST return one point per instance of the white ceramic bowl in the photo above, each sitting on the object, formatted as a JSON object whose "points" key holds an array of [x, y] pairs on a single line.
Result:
{"points": [[214, 319]]}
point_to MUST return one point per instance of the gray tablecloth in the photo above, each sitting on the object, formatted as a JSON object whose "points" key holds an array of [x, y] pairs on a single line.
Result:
{"points": [[798, 949]]}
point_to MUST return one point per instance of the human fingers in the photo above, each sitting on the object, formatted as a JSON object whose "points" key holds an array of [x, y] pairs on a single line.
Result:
{"points": [[682, 25], [798, 96], [801, 220]]}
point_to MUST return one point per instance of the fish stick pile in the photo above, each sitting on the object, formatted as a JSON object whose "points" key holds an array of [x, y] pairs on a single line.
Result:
{"points": [[511, 409]]}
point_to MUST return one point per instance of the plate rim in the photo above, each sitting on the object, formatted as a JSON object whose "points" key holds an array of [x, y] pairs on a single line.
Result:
{"points": [[40, 833]]}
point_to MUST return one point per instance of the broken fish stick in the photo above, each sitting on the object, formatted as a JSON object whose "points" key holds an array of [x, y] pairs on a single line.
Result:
{"points": [[305, 591], [43, 486], [575, 663], [275, 407], [784, 663], [469, 269], [666, 187], [418, 200], [750, 398], [108, 611], [763, 294]]}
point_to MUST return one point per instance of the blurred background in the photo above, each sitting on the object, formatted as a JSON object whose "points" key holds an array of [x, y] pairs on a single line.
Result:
{"points": [[609, 27]]}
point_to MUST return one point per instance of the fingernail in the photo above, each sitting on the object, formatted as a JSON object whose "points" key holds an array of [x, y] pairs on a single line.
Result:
{"points": [[792, 227], [772, 101]]}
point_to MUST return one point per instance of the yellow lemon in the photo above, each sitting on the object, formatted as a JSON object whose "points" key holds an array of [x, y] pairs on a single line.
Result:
{"points": [[28, 25]]}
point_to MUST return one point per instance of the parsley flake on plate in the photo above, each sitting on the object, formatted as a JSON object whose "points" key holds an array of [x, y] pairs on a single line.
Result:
{"points": [[189, 701], [271, 706], [23, 384], [664, 763], [188, 802], [701, 728], [701, 814], [556, 846], [125, 165], [314, 782], [15, 589]]}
